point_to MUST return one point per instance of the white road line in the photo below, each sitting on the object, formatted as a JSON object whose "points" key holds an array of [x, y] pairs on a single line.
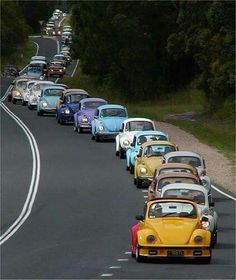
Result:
{"points": [[114, 267], [106, 275], [223, 193], [128, 253], [122, 260], [77, 62], [34, 179]]}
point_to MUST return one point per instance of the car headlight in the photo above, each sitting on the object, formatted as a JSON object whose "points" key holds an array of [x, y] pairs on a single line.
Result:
{"points": [[126, 142], [67, 111], [205, 211], [17, 93], [205, 224], [150, 238], [45, 104], [34, 99], [143, 170], [100, 128], [198, 239], [85, 119]]}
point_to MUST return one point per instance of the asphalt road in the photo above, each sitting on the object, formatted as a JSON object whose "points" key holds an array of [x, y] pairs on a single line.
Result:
{"points": [[80, 224]]}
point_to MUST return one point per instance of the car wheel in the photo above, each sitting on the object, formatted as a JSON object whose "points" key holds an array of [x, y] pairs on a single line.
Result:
{"points": [[30, 107], [14, 101], [122, 153], [204, 260], [135, 181], [40, 113], [117, 153], [80, 130], [127, 168], [213, 238], [139, 183], [9, 98], [131, 169], [62, 122], [93, 137], [23, 103], [75, 129], [137, 254], [97, 138]]}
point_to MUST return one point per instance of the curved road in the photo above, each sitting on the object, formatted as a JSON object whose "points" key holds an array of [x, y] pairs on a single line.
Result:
{"points": [[79, 227]]}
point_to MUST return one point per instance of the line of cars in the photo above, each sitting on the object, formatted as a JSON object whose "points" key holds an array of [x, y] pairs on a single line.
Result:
{"points": [[179, 218]]}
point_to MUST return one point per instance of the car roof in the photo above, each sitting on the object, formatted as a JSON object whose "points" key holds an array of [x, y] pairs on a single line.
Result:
{"points": [[91, 99], [37, 62], [45, 82], [37, 57], [111, 106], [176, 174], [163, 199], [79, 90], [149, 143], [54, 86], [182, 153], [185, 186], [150, 132], [137, 119]]}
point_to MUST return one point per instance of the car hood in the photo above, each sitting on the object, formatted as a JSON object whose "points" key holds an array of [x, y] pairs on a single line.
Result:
{"points": [[73, 107], [152, 163], [128, 135], [52, 100], [174, 231], [112, 124]]}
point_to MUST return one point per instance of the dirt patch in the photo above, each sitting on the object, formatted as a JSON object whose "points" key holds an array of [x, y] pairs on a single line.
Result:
{"points": [[187, 116], [219, 168]]}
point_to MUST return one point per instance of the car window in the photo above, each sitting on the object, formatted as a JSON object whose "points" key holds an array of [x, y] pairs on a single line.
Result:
{"points": [[171, 180], [53, 92], [113, 112], [92, 104], [158, 150], [172, 209], [177, 169], [195, 195], [139, 126], [146, 138], [194, 161]]}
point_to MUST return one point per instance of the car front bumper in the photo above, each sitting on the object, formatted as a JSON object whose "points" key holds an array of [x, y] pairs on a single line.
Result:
{"points": [[175, 252], [107, 135]]}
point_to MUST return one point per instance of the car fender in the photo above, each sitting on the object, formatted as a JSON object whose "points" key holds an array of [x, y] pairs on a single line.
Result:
{"points": [[117, 142], [201, 232]]}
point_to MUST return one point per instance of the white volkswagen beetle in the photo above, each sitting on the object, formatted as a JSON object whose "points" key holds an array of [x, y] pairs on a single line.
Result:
{"points": [[192, 159], [201, 196], [127, 131]]}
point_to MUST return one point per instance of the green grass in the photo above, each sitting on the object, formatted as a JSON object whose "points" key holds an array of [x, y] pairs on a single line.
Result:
{"points": [[22, 57], [218, 134]]}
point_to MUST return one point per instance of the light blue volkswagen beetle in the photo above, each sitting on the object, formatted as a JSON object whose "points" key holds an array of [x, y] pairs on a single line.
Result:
{"points": [[48, 99], [138, 140], [107, 121]]}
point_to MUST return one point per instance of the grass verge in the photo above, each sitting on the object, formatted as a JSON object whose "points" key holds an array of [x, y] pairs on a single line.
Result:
{"points": [[218, 134]]}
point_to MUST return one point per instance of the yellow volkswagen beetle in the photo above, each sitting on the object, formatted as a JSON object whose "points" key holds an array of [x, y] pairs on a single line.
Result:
{"points": [[149, 158], [171, 227]]}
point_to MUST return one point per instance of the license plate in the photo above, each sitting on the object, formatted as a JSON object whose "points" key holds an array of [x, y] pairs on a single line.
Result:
{"points": [[175, 253]]}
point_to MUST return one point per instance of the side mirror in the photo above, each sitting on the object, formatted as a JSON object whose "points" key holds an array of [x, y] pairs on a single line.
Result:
{"points": [[138, 155], [139, 217], [12, 83]]}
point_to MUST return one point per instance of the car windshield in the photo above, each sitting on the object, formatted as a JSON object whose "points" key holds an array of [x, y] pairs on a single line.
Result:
{"points": [[75, 98], [113, 112], [92, 105], [146, 138], [195, 195], [172, 209], [139, 126], [53, 92], [34, 69], [170, 180], [21, 84], [194, 161], [177, 169], [158, 150]]}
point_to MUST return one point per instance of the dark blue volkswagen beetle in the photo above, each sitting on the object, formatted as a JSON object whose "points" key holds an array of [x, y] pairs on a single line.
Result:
{"points": [[68, 105]]}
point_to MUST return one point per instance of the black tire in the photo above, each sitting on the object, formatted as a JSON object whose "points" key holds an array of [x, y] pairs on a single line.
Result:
{"points": [[214, 238], [23, 103], [127, 168], [80, 130], [204, 260], [62, 122], [30, 107], [117, 153], [9, 98], [40, 113], [137, 255], [139, 183], [97, 138], [75, 129], [135, 181], [14, 101], [92, 137], [122, 153], [131, 169]]}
